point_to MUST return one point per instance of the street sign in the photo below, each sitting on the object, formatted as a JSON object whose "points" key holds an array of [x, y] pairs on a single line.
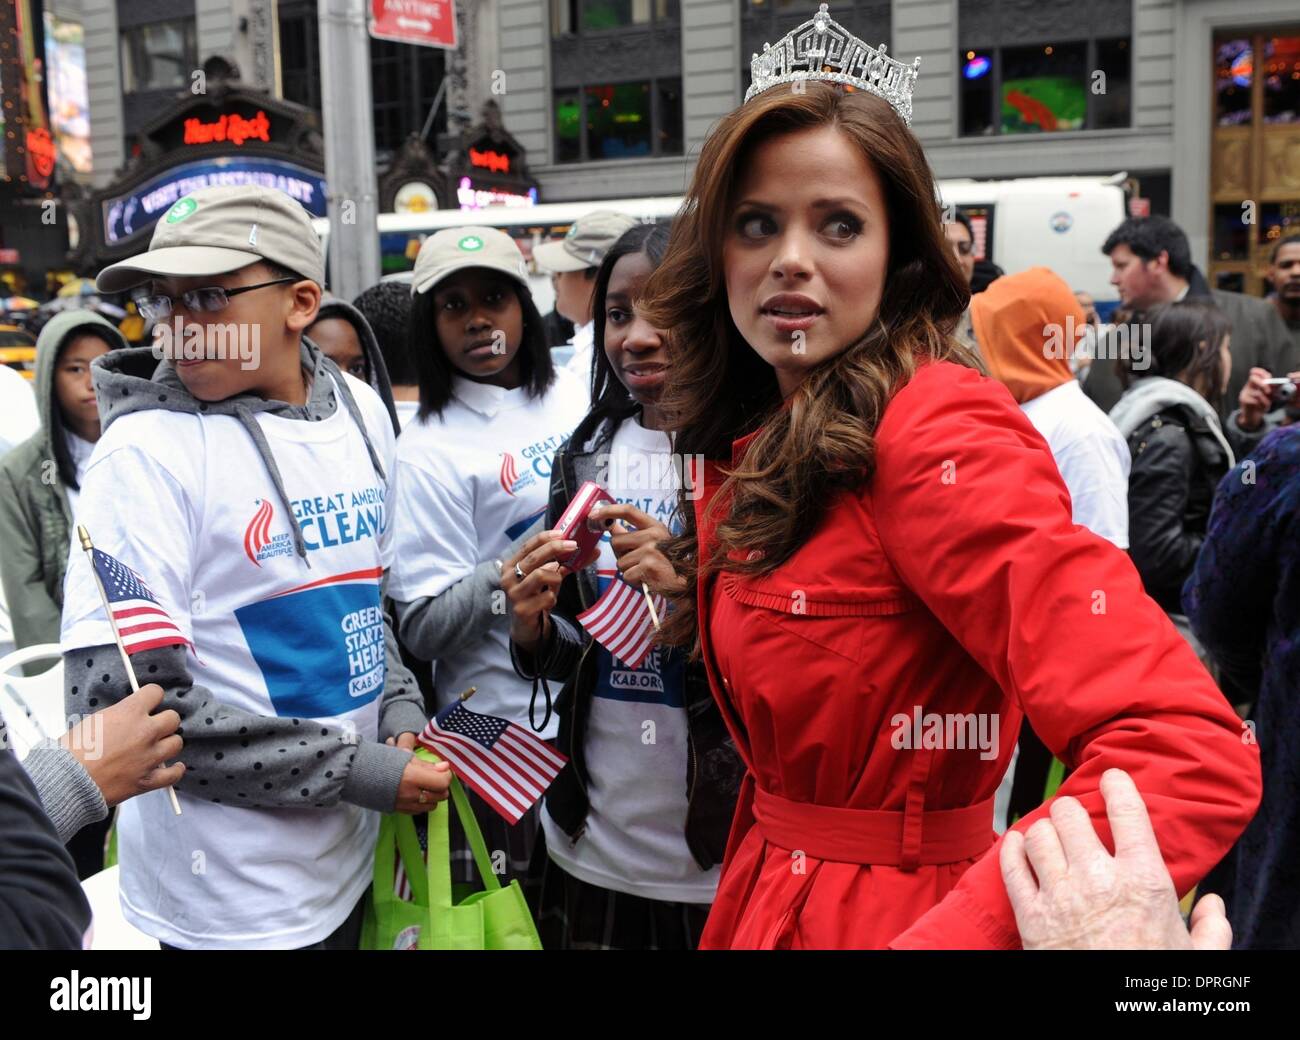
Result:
{"points": [[425, 23]]}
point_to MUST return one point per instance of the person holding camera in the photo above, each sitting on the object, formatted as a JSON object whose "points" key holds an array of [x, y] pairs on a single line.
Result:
{"points": [[1265, 403]]}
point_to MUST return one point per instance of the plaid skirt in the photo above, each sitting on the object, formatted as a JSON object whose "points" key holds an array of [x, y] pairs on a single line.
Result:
{"points": [[575, 915]]}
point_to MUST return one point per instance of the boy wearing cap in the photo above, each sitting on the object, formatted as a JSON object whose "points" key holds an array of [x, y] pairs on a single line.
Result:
{"points": [[253, 499], [573, 261]]}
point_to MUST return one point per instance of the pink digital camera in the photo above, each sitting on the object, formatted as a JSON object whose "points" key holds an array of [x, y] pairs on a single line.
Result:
{"points": [[576, 526]]}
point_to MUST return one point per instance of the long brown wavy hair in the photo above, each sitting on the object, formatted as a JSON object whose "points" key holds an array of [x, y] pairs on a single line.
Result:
{"points": [[720, 389]]}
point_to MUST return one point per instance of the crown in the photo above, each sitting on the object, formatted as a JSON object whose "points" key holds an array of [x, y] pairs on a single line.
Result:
{"points": [[823, 49]]}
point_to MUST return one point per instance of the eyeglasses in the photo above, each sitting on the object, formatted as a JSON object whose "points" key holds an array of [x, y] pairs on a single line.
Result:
{"points": [[157, 306]]}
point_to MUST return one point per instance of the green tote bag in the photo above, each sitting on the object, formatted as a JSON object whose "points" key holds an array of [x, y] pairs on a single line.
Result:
{"points": [[436, 918]]}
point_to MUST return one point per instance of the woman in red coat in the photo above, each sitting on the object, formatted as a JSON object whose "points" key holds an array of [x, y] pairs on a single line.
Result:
{"points": [[880, 569]]}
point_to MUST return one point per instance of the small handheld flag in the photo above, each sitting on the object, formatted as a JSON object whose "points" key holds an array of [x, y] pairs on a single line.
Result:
{"points": [[134, 614], [504, 764], [623, 622], [138, 617]]}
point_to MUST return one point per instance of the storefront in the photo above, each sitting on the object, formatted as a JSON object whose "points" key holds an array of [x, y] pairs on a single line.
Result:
{"points": [[229, 135], [488, 167]]}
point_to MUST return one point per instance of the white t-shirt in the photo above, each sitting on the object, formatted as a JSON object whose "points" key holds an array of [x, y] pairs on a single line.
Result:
{"points": [[186, 501], [471, 483], [584, 346], [19, 418], [80, 451], [636, 739], [1092, 456], [406, 411]]}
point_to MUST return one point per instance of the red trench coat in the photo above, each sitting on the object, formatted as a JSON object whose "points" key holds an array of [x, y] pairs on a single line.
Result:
{"points": [[954, 583]]}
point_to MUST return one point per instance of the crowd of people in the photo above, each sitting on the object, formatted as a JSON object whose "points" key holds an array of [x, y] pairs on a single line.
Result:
{"points": [[867, 476]]}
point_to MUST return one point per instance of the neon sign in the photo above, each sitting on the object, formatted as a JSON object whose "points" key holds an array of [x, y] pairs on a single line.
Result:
{"points": [[40, 147], [135, 211], [489, 160], [470, 197], [233, 128]]}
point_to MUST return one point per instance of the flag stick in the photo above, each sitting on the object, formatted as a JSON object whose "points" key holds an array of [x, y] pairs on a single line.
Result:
{"points": [[649, 602], [117, 637], [467, 694]]}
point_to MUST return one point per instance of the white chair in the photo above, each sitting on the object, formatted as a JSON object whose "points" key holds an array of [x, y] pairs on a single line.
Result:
{"points": [[109, 929], [32, 705]]}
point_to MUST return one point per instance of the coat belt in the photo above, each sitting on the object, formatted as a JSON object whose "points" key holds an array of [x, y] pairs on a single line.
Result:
{"points": [[875, 837]]}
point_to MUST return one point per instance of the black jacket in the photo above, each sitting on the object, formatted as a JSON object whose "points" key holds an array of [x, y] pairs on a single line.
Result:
{"points": [[713, 768], [1177, 464], [42, 906]]}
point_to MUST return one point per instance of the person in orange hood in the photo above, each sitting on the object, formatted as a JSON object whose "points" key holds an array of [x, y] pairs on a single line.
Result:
{"points": [[1026, 326]]}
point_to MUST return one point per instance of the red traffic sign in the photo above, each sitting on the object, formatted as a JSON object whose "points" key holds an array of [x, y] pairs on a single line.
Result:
{"points": [[425, 23]]}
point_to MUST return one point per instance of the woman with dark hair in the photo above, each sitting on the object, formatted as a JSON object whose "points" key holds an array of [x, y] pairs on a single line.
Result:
{"points": [[881, 571], [37, 499], [386, 306], [473, 472], [635, 825], [1169, 414], [39, 484]]}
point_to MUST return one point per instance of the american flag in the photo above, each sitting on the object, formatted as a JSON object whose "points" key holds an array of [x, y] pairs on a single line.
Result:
{"points": [[620, 621], [502, 763], [136, 613]]}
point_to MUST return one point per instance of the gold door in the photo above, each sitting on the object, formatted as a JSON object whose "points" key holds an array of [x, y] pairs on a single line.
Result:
{"points": [[1255, 154]]}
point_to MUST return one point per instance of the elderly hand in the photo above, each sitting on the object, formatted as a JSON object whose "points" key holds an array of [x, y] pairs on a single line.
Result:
{"points": [[1080, 897]]}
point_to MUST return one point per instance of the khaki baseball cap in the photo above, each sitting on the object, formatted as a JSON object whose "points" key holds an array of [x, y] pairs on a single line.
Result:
{"points": [[586, 244], [219, 230], [454, 249]]}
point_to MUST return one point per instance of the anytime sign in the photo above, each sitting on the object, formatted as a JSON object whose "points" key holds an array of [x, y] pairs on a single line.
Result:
{"points": [[426, 23]]}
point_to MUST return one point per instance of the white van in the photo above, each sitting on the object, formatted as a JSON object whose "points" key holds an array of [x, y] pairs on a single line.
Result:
{"points": [[1056, 222]]}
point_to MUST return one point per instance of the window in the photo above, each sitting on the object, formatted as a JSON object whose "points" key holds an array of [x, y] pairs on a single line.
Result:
{"points": [[1281, 72], [1045, 88], [159, 55], [299, 59], [570, 17], [403, 79], [1234, 73], [403, 82], [618, 121], [568, 126]]}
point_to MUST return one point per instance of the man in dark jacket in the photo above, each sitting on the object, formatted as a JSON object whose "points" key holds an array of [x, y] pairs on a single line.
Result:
{"points": [[42, 906], [1152, 264], [1243, 599]]}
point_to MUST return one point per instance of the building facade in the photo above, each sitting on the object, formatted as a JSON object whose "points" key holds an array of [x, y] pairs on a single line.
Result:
{"points": [[1197, 100], [613, 98]]}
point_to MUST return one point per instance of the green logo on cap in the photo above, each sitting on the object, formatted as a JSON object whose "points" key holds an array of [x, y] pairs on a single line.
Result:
{"points": [[470, 242], [182, 209]]}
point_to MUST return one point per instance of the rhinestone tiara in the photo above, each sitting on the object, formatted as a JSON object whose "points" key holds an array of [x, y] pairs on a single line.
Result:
{"points": [[823, 49]]}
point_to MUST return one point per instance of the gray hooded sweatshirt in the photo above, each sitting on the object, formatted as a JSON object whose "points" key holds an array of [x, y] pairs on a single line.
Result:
{"points": [[220, 751]]}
